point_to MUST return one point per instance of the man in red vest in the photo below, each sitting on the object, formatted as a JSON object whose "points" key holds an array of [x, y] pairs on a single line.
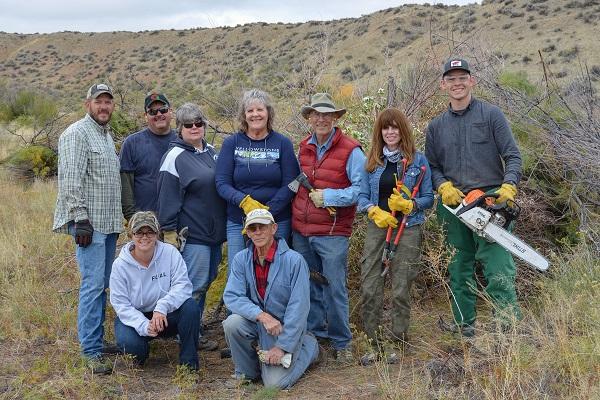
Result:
{"points": [[333, 162]]}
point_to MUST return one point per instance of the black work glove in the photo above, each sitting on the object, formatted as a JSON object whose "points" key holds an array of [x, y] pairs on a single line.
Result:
{"points": [[83, 233]]}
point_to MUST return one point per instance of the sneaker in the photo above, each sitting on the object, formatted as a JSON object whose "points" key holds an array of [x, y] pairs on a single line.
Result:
{"points": [[368, 359], [236, 381], [344, 356], [99, 365], [207, 345]]}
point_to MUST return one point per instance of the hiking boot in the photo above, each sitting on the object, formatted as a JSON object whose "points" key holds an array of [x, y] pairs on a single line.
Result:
{"points": [[225, 353], [466, 330], [110, 348], [344, 356], [372, 357], [99, 365], [207, 345]]}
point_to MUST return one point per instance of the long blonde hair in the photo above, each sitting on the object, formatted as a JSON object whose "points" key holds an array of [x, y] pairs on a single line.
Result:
{"points": [[390, 117]]}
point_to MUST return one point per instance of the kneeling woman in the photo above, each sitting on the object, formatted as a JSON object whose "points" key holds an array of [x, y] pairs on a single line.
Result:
{"points": [[152, 294], [392, 142]]}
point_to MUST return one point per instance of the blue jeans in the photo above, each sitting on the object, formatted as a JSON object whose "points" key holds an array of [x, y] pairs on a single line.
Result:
{"points": [[329, 315], [182, 321], [95, 263], [235, 239], [240, 334], [202, 264]]}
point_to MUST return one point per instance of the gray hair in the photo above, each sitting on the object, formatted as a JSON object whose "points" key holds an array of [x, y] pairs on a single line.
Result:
{"points": [[187, 113], [250, 96]]}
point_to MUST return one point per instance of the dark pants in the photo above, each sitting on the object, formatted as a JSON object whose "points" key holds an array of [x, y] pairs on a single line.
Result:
{"points": [[183, 321]]}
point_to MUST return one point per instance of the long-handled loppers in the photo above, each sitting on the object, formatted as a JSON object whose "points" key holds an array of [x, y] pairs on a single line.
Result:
{"points": [[390, 248]]}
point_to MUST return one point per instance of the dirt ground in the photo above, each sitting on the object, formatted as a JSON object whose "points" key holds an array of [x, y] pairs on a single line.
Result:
{"points": [[43, 369]]}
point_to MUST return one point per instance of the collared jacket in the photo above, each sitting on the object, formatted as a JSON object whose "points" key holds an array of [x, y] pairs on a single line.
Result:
{"points": [[164, 286], [287, 297], [89, 186], [369, 188], [336, 168], [474, 148]]}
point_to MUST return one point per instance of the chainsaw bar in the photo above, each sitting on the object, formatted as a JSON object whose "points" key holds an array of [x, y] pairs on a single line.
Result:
{"points": [[481, 222]]}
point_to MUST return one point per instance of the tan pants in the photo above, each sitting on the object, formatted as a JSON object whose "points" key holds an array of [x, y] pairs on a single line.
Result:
{"points": [[404, 268]]}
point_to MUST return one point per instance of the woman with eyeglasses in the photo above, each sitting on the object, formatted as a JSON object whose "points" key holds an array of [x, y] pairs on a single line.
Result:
{"points": [[152, 294], [187, 197], [254, 168]]}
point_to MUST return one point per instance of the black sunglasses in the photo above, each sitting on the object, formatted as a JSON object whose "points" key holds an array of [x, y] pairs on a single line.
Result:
{"points": [[197, 124], [162, 110]]}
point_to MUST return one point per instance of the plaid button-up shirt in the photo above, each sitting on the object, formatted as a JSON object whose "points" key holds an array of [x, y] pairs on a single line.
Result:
{"points": [[262, 270], [89, 186]]}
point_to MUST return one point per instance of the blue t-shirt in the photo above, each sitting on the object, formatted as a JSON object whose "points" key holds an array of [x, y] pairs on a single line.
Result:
{"points": [[141, 154]]}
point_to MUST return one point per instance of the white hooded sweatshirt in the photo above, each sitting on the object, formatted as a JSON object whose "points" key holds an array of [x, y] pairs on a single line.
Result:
{"points": [[164, 286]]}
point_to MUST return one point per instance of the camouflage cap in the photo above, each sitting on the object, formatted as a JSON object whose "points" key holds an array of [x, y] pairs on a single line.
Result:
{"points": [[144, 218], [155, 96], [96, 90]]}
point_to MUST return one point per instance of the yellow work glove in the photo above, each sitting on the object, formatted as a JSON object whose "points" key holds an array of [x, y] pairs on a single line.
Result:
{"points": [[451, 196], [398, 203], [507, 191], [317, 198], [248, 204], [382, 218], [171, 238]]}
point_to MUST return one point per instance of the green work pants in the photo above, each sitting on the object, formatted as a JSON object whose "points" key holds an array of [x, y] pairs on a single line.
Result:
{"points": [[498, 269], [404, 268]]}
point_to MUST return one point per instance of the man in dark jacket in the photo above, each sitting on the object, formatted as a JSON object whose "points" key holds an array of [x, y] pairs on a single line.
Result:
{"points": [[141, 154]]}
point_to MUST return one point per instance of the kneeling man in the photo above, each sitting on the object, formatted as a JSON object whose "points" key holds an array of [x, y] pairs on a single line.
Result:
{"points": [[268, 294], [152, 294]]}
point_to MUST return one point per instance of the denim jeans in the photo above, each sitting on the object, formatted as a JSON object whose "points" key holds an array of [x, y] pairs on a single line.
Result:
{"points": [[329, 309], [182, 321], [202, 264], [235, 239], [240, 334], [95, 263]]}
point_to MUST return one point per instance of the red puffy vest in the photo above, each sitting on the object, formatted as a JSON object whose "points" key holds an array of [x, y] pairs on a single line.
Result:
{"points": [[328, 172]]}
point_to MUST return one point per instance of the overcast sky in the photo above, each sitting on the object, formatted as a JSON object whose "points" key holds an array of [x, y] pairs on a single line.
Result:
{"points": [[43, 16]]}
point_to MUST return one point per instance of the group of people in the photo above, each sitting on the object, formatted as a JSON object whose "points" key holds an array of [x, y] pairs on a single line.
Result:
{"points": [[286, 290]]}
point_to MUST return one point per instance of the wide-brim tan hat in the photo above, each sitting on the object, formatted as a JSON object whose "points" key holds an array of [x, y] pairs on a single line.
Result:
{"points": [[322, 102]]}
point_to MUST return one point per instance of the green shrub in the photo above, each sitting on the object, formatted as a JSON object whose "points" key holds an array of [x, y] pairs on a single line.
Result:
{"points": [[122, 124], [34, 161], [517, 81]]}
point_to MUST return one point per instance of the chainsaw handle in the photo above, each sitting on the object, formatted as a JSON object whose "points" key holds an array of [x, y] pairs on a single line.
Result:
{"points": [[477, 202]]}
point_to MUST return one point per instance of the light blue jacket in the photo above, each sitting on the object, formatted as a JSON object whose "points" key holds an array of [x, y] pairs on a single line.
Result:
{"points": [[369, 188], [287, 297]]}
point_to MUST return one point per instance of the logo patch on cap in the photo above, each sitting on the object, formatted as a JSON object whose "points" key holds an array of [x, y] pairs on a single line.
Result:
{"points": [[455, 63]]}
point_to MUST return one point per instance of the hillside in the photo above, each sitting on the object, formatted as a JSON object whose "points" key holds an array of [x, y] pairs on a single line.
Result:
{"points": [[280, 56]]}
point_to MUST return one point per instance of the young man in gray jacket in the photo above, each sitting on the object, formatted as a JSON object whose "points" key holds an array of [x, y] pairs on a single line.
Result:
{"points": [[471, 146]]}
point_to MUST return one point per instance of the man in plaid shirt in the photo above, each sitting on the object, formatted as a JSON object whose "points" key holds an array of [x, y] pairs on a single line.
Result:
{"points": [[88, 207], [268, 295]]}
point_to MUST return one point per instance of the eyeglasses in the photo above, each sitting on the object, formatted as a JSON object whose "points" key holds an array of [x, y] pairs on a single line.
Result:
{"points": [[155, 111], [317, 115], [140, 234], [197, 124], [454, 79], [257, 227]]}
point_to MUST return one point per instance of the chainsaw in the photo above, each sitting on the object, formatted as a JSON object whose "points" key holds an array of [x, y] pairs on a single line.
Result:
{"points": [[479, 212]]}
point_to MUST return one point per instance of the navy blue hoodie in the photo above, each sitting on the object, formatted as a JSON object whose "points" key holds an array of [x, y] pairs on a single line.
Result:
{"points": [[187, 195], [259, 168]]}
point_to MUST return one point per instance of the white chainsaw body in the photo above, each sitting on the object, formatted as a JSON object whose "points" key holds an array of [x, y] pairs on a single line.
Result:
{"points": [[489, 227]]}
